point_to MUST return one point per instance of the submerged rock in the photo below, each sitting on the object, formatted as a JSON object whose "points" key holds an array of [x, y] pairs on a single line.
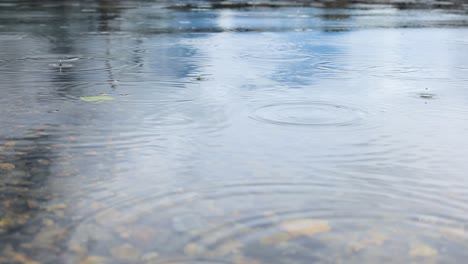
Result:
{"points": [[10, 144], [50, 238], [7, 166], [373, 239], [126, 252], [423, 251], [94, 260], [12, 220], [305, 227]]}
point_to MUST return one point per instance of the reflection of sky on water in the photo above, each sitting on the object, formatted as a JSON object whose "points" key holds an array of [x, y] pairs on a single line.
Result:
{"points": [[195, 95]]}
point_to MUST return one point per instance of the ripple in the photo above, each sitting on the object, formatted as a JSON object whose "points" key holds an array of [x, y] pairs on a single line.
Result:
{"points": [[13, 36], [174, 122], [332, 70], [168, 121], [27, 43], [277, 56], [334, 67], [401, 72], [213, 222], [73, 63], [128, 94], [461, 41], [314, 114]]}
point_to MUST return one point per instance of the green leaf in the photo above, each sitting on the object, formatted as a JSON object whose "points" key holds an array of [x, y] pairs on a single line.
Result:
{"points": [[97, 98]]}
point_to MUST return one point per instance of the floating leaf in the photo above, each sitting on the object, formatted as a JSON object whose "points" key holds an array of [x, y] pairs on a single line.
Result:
{"points": [[305, 227], [97, 98]]}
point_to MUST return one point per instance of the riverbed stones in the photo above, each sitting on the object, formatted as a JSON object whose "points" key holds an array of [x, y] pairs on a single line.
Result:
{"points": [[6, 166], [126, 252], [305, 227], [423, 251], [94, 260]]}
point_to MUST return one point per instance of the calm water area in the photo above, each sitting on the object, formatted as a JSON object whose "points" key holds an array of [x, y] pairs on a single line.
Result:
{"points": [[214, 132]]}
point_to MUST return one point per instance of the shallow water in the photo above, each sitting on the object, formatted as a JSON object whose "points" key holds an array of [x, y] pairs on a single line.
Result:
{"points": [[151, 132]]}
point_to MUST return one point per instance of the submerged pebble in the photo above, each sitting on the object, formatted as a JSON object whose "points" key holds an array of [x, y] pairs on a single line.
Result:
{"points": [[423, 251], [94, 260], [7, 166], [305, 227], [126, 252]]}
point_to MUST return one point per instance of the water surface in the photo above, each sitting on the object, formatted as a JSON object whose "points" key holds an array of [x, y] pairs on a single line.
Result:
{"points": [[208, 132]]}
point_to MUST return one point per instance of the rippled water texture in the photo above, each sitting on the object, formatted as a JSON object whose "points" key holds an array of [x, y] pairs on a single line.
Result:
{"points": [[233, 132]]}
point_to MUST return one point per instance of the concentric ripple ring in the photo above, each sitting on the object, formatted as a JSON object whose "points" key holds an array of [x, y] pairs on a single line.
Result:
{"points": [[321, 114]]}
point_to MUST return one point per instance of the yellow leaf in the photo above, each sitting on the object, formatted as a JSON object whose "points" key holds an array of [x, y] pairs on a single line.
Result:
{"points": [[97, 98]]}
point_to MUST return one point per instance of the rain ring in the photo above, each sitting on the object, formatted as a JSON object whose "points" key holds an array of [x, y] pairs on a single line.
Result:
{"points": [[319, 114]]}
